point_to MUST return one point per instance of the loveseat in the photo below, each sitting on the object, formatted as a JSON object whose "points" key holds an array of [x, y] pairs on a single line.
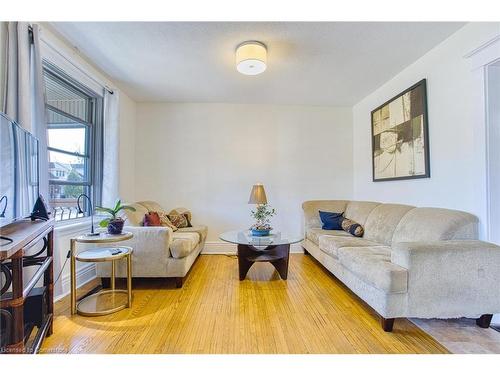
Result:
{"points": [[158, 251], [411, 262]]}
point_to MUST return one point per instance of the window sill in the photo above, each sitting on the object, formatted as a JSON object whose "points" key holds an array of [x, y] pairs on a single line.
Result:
{"points": [[75, 226]]}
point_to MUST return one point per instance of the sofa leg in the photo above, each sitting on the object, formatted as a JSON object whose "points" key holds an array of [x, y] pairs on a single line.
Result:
{"points": [[484, 320], [387, 324], [305, 251], [178, 282], [106, 282]]}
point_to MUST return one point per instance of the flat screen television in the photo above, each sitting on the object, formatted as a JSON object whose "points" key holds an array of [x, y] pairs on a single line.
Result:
{"points": [[18, 171]]}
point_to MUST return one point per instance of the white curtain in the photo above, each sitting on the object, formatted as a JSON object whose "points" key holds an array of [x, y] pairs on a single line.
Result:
{"points": [[110, 178], [24, 99]]}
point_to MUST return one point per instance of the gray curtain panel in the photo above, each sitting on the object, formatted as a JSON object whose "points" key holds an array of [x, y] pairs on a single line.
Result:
{"points": [[17, 99], [24, 98]]}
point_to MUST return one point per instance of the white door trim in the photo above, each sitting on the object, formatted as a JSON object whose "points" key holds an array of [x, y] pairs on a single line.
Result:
{"points": [[479, 59]]}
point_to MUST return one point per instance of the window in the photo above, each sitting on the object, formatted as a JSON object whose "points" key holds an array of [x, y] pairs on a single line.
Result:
{"points": [[74, 122]]}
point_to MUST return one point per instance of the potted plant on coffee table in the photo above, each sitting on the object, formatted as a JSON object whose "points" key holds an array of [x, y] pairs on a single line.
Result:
{"points": [[262, 215], [114, 223]]}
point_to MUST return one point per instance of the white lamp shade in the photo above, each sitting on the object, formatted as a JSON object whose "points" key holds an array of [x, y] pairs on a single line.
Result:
{"points": [[251, 58]]}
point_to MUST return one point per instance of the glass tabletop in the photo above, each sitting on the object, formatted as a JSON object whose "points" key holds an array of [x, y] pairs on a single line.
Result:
{"points": [[246, 238], [103, 254], [104, 237]]}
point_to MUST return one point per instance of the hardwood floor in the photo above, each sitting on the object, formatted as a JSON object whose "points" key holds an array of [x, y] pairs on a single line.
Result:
{"points": [[214, 312], [462, 336]]}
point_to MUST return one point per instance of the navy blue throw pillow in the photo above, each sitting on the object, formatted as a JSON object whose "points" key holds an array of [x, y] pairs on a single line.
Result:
{"points": [[331, 220]]}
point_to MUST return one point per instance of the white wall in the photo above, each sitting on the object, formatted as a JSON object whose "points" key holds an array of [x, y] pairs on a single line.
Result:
{"points": [[207, 157], [455, 130]]}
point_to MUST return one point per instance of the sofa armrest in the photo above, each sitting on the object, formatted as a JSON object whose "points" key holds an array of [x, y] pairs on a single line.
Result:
{"points": [[451, 274], [444, 254], [151, 246], [151, 241]]}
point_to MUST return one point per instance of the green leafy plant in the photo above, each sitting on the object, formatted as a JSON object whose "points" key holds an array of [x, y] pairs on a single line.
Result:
{"points": [[113, 212], [262, 215]]}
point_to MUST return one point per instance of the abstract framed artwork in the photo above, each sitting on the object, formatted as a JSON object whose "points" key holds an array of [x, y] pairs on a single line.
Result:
{"points": [[400, 136]]}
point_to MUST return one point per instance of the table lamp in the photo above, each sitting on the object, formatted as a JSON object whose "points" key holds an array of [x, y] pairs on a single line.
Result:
{"points": [[258, 195]]}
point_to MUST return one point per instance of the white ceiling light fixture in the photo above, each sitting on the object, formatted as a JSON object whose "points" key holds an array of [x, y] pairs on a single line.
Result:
{"points": [[251, 58]]}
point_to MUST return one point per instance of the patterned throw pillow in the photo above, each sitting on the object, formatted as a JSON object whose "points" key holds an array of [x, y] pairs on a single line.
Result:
{"points": [[152, 219], [180, 221], [165, 221], [352, 227]]}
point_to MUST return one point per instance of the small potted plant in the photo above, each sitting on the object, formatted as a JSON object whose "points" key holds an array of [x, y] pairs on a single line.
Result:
{"points": [[262, 214], [114, 223]]}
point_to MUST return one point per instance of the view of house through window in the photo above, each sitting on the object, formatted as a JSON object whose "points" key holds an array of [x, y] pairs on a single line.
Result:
{"points": [[74, 136]]}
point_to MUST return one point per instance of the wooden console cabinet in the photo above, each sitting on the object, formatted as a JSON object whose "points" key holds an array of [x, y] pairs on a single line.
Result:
{"points": [[25, 304]]}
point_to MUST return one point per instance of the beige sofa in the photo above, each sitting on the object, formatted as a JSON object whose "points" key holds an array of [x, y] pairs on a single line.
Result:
{"points": [[158, 251], [411, 262]]}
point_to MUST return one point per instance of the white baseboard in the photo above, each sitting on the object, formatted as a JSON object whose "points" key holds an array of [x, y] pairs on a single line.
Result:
{"points": [[216, 247], [84, 275], [226, 248]]}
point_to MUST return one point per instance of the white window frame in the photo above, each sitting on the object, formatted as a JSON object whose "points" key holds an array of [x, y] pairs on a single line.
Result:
{"points": [[93, 148]]}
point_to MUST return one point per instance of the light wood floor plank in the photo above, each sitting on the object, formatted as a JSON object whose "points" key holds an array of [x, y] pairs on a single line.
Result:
{"points": [[214, 312]]}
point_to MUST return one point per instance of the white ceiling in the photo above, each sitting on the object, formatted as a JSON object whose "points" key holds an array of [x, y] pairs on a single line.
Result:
{"points": [[319, 63]]}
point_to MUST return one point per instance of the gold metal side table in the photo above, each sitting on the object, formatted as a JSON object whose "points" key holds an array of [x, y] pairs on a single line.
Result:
{"points": [[107, 301]]}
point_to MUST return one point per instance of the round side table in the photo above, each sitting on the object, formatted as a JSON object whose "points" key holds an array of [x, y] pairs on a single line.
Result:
{"points": [[110, 300]]}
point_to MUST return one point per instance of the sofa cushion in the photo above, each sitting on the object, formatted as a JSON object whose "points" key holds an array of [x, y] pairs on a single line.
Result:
{"points": [[359, 210], [183, 243], [331, 244], [436, 224], [202, 230], [181, 248], [190, 236], [373, 266], [312, 234], [383, 220], [134, 218]]}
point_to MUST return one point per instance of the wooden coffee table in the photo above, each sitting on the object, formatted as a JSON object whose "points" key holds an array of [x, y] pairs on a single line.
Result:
{"points": [[274, 249]]}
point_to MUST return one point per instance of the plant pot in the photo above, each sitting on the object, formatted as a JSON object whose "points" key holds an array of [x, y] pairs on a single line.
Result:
{"points": [[260, 232], [116, 226]]}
